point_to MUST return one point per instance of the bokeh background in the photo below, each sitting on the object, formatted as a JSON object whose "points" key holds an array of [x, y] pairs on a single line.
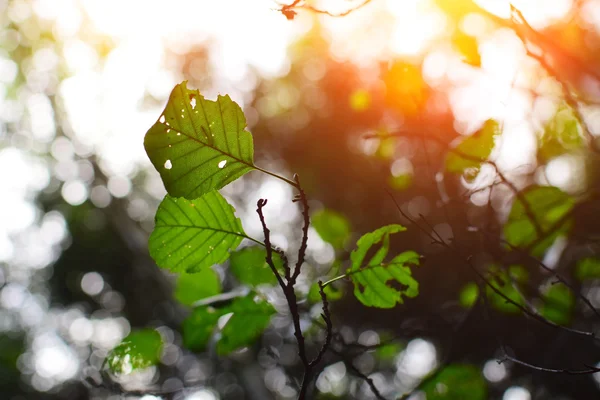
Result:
{"points": [[82, 81]]}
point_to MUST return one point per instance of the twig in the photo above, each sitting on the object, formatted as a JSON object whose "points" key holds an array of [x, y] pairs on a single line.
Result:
{"points": [[289, 10]]}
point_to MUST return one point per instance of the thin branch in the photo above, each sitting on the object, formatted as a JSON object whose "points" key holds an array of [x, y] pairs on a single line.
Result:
{"points": [[589, 369], [267, 233], [329, 327], [304, 242], [289, 10]]}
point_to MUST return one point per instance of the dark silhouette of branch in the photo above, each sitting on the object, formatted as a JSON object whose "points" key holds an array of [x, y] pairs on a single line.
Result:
{"points": [[289, 292], [589, 369]]}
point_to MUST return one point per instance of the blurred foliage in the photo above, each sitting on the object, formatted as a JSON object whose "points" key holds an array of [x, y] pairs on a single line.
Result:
{"points": [[588, 268], [333, 227], [140, 349], [468, 155], [193, 287], [457, 382], [538, 217], [247, 319], [562, 134], [249, 265], [558, 304]]}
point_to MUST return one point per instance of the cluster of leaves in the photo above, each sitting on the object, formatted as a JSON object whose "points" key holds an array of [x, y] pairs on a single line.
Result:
{"points": [[199, 146]]}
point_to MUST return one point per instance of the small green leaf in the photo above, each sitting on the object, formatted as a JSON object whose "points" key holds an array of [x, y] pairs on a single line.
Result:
{"points": [[561, 135], [191, 235], [558, 304], [504, 282], [547, 206], [332, 293], [380, 284], [388, 351], [588, 268], [473, 150], [199, 327], [250, 267], [332, 226], [193, 287], [457, 382], [198, 145], [250, 318], [141, 349], [468, 295]]}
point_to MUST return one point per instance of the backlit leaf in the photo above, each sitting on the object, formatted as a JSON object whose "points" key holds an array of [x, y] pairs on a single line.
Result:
{"points": [[457, 382], [332, 226], [191, 235], [250, 267], [473, 150], [193, 287], [548, 206], [360, 100], [378, 283], [198, 145], [141, 349]]}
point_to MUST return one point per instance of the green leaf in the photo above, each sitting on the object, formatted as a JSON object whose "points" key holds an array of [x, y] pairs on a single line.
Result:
{"points": [[473, 150], [548, 206], [504, 282], [388, 351], [191, 235], [250, 318], [561, 135], [332, 226], [332, 293], [468, 295], [198, 145], [193, 287], [199, 326], [250, 266], [380, 284], [141, 349], [588, 268], [558, 304], [457, 382]]}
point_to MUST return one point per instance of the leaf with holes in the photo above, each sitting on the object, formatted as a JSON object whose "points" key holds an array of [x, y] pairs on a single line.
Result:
{"points": [[140, 349], [538, 218], [198, 145], [468, 155], [200, 285], [378, 283], [191, 235]]}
